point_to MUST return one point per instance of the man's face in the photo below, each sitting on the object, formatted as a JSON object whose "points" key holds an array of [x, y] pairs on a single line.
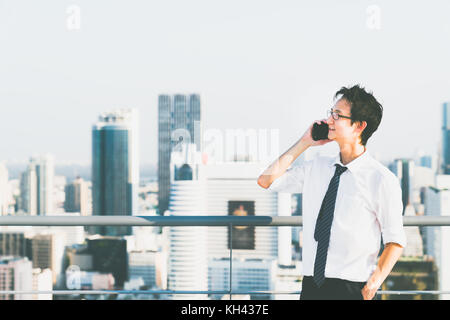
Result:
{"points": [[341, 130]]}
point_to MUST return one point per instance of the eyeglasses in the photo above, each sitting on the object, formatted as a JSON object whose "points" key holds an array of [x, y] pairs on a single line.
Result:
{"points": [[335, 115]]}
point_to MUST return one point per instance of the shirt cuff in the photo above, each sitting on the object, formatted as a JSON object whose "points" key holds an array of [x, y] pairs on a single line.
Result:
{"points": [[395, 238]]}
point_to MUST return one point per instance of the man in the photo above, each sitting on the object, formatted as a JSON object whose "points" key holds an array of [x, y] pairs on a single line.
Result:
{"points": [[350, 202]]}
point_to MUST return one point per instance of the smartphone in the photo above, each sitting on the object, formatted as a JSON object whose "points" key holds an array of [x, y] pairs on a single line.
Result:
{"points": [[320, 131]]}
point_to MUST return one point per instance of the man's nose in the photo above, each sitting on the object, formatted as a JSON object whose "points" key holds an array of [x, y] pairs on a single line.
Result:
{"points": [[330, 120]]}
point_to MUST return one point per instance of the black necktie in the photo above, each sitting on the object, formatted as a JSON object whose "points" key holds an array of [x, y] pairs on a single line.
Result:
{"points": [[323, 226]]}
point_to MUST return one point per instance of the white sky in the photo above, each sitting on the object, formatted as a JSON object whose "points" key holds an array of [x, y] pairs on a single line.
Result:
{"points": [[256, 64]]}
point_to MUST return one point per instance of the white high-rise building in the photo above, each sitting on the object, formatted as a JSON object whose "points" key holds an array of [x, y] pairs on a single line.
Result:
{"points": [[437, 203], [247, 275], [15, 274], [42, 281], [220, 189], [36, 186], [188, 261], [28, 191]]}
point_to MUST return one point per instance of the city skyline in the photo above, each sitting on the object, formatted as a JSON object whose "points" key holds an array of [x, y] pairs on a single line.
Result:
{"points": [[255, 65]]}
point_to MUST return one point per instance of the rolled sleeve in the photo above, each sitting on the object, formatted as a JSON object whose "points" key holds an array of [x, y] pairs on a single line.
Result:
{"points": [[292, 180], [390, 211]]}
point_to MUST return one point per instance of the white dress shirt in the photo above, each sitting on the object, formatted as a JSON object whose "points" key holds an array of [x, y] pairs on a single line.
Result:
{"points": [[368, 206]]}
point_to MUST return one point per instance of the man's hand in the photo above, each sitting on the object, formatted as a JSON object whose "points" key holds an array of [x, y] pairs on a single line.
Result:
{"points": [[368, 293], [307, 136], [392, 251]]}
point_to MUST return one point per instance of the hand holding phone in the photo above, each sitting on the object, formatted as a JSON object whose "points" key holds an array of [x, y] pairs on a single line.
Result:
{"points": [[320, 131]]}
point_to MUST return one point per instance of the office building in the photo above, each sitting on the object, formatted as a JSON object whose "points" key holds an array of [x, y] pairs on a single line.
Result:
{"points": [[109, 255], [179, 122], [248, 275], [143, 264], [13, 244], [36, 186], [15, 275], [412, 274], [413, 236], [445, 161], [77, 197], [115, 168], [404, 170], [42, 281], [220, 189], [28, 191], [47, 251], [437, 203]]}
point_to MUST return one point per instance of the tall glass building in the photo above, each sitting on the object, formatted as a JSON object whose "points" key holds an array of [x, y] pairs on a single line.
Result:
{"points": [[115, 168], [179, 122]]}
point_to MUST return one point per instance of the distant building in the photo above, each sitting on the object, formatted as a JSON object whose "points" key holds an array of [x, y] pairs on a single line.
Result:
{"points": [[429, 162], [247, 275], [445, 169], [179, 120], [36, 186], [115, 168], [109, 255], [77, 197], [47, 252], [412, 274], [413, 236], [220, 189], [437, 203], [89, 280], [13, 244], [144, 264], [15, 275], [42, 281], [404, 170]]}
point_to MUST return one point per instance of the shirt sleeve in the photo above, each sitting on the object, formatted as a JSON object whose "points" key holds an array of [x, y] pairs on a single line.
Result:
{"points": [[390, 211], [292, 180]]}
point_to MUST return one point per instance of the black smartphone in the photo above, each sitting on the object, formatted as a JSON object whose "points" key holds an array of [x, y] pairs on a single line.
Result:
{"points": [[320, 131]]}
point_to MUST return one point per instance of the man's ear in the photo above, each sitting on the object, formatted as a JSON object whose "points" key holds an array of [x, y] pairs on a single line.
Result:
{"points": [[361, 125]]}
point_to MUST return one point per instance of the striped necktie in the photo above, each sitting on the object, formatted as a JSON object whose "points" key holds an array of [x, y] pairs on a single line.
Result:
{"points": [[323, 226]]}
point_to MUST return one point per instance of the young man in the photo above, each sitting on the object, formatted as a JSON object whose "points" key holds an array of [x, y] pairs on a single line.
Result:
{"points": [[350, 202]]}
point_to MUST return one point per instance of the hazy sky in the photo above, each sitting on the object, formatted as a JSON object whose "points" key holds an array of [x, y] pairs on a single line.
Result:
{"points": [[256, 64]]}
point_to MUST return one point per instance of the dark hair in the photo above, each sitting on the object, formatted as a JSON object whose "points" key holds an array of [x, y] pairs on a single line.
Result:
{"points": [[364, 107]]}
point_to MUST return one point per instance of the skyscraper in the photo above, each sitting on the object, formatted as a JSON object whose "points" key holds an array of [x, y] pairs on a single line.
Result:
{"points": [[76, 197], [220, 189], [178, 123], [47, 251], [36, 186], [15, 275], [13, 244], [115, 168], [446, 138], [437, 203], [404, 170]]}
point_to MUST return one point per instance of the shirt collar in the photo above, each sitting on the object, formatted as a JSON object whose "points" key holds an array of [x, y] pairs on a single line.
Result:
{"points": [[355, 164]]}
